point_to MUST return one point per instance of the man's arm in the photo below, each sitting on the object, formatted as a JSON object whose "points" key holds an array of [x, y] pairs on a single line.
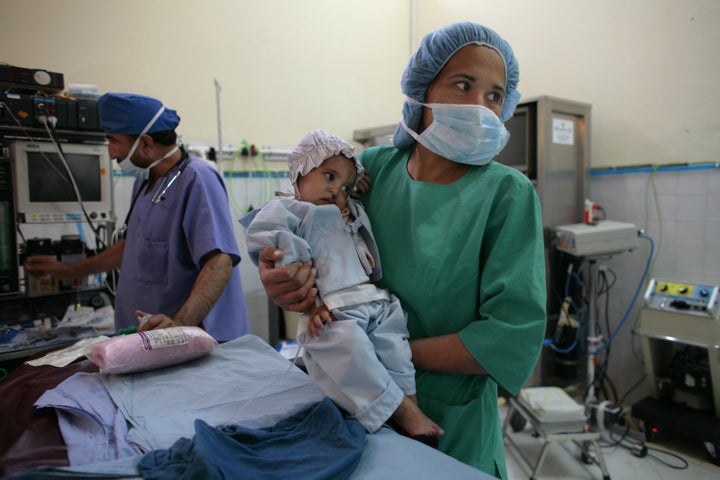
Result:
{"points": [[208, 287], [108, 259]]}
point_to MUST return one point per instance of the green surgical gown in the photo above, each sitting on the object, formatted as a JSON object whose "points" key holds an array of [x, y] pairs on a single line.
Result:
{"points": [[468, 258]]}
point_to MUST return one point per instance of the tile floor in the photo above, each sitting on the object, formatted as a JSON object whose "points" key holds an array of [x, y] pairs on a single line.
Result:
{"points": [[563, 461]]}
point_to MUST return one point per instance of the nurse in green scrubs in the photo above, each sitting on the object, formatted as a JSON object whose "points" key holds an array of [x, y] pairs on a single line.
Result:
{"points": [[460, 239]]}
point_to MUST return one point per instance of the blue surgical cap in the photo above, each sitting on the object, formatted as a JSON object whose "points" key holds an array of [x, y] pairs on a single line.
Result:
{"points": [[129, 114], [435, 50]]}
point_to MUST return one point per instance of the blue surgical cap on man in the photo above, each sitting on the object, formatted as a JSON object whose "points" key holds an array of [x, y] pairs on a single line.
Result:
{"points": [[435, 50], [129, 114]]}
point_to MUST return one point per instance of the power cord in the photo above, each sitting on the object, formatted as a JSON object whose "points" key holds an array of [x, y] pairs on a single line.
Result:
{"points": [[683, 463], [565, 320], [641, 450], [49, 127], [634, 299]]}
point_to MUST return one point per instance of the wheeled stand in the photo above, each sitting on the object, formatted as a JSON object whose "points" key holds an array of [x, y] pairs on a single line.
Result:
{"points": [[551, 432]]}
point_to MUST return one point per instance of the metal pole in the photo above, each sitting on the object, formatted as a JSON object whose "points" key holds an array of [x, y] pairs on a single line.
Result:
{"points": [[592, 341], [219, 157]]}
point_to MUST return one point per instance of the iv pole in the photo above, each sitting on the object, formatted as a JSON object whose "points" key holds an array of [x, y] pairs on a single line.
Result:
{"points": [[219, 157]]}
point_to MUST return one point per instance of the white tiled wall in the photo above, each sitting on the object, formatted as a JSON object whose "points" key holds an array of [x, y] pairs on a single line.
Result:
{"points": [[681, 215]]}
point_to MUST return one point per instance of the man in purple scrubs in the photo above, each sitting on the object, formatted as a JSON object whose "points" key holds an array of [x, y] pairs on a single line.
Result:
{"points": [[178, 256]]}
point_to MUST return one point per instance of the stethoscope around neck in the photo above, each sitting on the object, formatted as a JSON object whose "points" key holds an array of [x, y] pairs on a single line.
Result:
{"points": [[162, 191]]}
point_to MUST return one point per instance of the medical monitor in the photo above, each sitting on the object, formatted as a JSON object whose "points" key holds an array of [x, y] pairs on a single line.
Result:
{"points": [[43, 190], [520, 152]]}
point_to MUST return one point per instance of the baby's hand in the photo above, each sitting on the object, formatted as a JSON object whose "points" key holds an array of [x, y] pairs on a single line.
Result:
{"points": [[319, 316]]}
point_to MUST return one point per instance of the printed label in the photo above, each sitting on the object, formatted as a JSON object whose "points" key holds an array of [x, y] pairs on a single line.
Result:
{"points": [[563, 131], [164, 337]]}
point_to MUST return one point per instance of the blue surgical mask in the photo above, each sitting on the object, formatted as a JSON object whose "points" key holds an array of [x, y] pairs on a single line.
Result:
{"points": [[128, 167], [470, 134], [126, 164]]}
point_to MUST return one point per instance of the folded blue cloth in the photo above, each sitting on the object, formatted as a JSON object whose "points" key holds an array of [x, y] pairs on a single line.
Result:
{"points": [[318, 443]]}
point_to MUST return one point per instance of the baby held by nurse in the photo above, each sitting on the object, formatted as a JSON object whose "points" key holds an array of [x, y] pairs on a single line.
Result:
{"points": [[355, 340]]}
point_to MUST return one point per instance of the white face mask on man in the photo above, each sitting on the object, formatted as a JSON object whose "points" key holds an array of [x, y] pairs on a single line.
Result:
{"points": [[126, 164]]}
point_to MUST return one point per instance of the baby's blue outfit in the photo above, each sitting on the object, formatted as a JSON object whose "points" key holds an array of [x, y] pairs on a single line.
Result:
{"points": [[362, 359]]}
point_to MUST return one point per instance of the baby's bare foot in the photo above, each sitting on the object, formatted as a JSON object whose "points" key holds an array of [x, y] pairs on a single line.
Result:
{"points": [[413, 421]]}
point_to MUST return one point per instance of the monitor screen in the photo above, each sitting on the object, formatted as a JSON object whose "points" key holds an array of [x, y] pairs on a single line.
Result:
{"points": [[521, 151], [43, 190], [48, 179], [515, 152], [516, 148]]}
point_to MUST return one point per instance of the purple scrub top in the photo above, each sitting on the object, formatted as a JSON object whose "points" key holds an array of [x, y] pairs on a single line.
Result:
{"points": [[164, 245]]}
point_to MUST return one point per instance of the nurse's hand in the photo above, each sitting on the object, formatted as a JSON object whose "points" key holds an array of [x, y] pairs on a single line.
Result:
{"points": [[153, 322], [290, 288], [362, 187]]}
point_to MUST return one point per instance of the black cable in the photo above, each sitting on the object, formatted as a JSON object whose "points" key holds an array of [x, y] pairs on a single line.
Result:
{"points": [[607, 314], [556, 287], [585, 302], [612, 388], [50, 127], [683, 465], [600, 367], [614, 277], [637, 384], [602, 381], [609, 285], [617, 442], [609, 330], [601, 209], [635, 446], [19, 231]]}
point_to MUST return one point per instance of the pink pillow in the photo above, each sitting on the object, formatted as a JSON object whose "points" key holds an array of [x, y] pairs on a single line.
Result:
{"points": [[151, 349]]}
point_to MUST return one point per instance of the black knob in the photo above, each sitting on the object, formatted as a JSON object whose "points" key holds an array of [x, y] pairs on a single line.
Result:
{"points": [[97, 301]]}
